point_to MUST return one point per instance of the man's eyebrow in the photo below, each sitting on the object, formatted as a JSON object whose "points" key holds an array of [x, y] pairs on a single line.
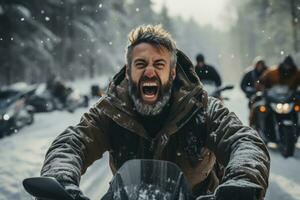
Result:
{"points": [[160, 60], [139, 60]]}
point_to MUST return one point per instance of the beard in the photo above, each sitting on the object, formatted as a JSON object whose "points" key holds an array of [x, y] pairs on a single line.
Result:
{"points": [[164, 95]]}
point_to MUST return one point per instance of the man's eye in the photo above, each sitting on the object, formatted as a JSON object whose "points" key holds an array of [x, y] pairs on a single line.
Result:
{"points": [[160, 65], [140, 65]]}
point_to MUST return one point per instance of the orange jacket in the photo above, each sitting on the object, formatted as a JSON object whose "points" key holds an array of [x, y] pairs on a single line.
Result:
{"points": [[272, 77]]}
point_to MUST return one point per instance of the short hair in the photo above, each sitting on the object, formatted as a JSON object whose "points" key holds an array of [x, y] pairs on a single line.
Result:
{"points": [[200, 58], [154, 35]]}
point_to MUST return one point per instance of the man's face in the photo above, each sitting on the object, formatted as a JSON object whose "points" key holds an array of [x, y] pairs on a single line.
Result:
{"points": [[201, 64], [260, 66], [287, 67], [150, 78]]}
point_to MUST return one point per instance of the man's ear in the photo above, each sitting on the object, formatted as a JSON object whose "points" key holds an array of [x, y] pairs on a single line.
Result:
{"points": [[173, 73], [127, 71]]}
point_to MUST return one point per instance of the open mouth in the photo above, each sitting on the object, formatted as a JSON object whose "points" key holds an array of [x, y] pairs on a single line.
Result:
{"points": [[149, 91]]}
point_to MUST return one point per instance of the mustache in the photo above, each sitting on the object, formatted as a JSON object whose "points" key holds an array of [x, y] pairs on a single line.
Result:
{"points": [[147, 79]]}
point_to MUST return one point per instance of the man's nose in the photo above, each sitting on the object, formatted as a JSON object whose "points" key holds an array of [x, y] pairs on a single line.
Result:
{"points": [[149, 72]]}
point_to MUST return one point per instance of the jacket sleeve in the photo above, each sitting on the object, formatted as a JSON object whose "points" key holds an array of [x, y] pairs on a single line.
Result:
{"points": [[216, 76], [76, 148], [238, 148], [246, 82]]}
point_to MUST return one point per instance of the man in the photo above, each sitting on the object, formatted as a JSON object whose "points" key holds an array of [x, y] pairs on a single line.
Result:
{"points": [[286, 73], [252, 75], [155, 108], [57, 88], [206, 72]]}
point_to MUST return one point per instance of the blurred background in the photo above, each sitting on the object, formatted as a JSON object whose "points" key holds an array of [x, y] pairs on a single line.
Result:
{"points": [[82, 44]]}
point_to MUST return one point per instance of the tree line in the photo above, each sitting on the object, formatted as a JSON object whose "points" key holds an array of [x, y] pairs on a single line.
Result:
{"points": [[75, 38], [267, 27]]}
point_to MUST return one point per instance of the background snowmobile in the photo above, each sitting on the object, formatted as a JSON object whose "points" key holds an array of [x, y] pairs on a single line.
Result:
{"points": [[214, 90], [276, 118], [44, 101], [15, 113]]}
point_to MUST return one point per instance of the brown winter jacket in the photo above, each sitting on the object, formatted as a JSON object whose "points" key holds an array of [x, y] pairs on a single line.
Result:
{"points": [[273, 77], [198, 131]]}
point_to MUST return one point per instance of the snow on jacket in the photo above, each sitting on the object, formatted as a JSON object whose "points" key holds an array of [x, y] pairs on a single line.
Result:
{"points": [[199, 131]]}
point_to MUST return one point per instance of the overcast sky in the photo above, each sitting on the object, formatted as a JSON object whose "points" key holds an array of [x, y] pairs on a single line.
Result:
{"points": [[218, 13]]}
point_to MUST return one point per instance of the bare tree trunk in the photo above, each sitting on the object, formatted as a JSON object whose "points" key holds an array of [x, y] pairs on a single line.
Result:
{"points": [[294, 24]]}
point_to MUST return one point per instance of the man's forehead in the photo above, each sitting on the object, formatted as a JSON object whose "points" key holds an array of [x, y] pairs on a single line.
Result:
{"points": [[147, 48]]}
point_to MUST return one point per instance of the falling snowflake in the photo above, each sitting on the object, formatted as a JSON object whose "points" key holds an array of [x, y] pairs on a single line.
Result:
{"points": [[47, 19], [22, 19], [42, 11], [281, 52], [137, 10], [100, 5], [110, 43]]}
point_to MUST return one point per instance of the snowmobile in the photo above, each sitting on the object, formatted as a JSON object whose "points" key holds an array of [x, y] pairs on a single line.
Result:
{"points": [[214, 90], [15, 113], [75, 100], [137, 180], [44, 101], [276, 117]]}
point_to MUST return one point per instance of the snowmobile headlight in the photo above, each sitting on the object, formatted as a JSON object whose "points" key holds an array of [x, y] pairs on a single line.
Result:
{"points": [[5, 117], [282, 108]]}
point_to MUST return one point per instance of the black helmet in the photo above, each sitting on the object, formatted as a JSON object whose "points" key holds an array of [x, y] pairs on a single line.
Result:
{"points": [[200, 58], [289, 61]]}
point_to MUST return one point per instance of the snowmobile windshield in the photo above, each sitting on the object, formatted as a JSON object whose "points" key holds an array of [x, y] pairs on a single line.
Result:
{"points": [[279, 94], [149, 180]]}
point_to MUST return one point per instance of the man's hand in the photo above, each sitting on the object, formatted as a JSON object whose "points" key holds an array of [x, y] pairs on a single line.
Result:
{"points": [[73, 191], [237, 192]]}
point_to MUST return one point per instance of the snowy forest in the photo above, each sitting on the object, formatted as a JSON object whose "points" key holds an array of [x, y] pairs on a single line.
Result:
{"points": [[269, 28], [79, 38], [74, 38]]}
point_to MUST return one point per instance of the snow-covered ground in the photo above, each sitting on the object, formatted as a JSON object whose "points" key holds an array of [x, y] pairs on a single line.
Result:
{"points": [[22, 154]]}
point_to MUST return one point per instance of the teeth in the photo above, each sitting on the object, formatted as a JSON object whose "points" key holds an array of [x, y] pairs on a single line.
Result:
{"points": [[149, 84]]}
